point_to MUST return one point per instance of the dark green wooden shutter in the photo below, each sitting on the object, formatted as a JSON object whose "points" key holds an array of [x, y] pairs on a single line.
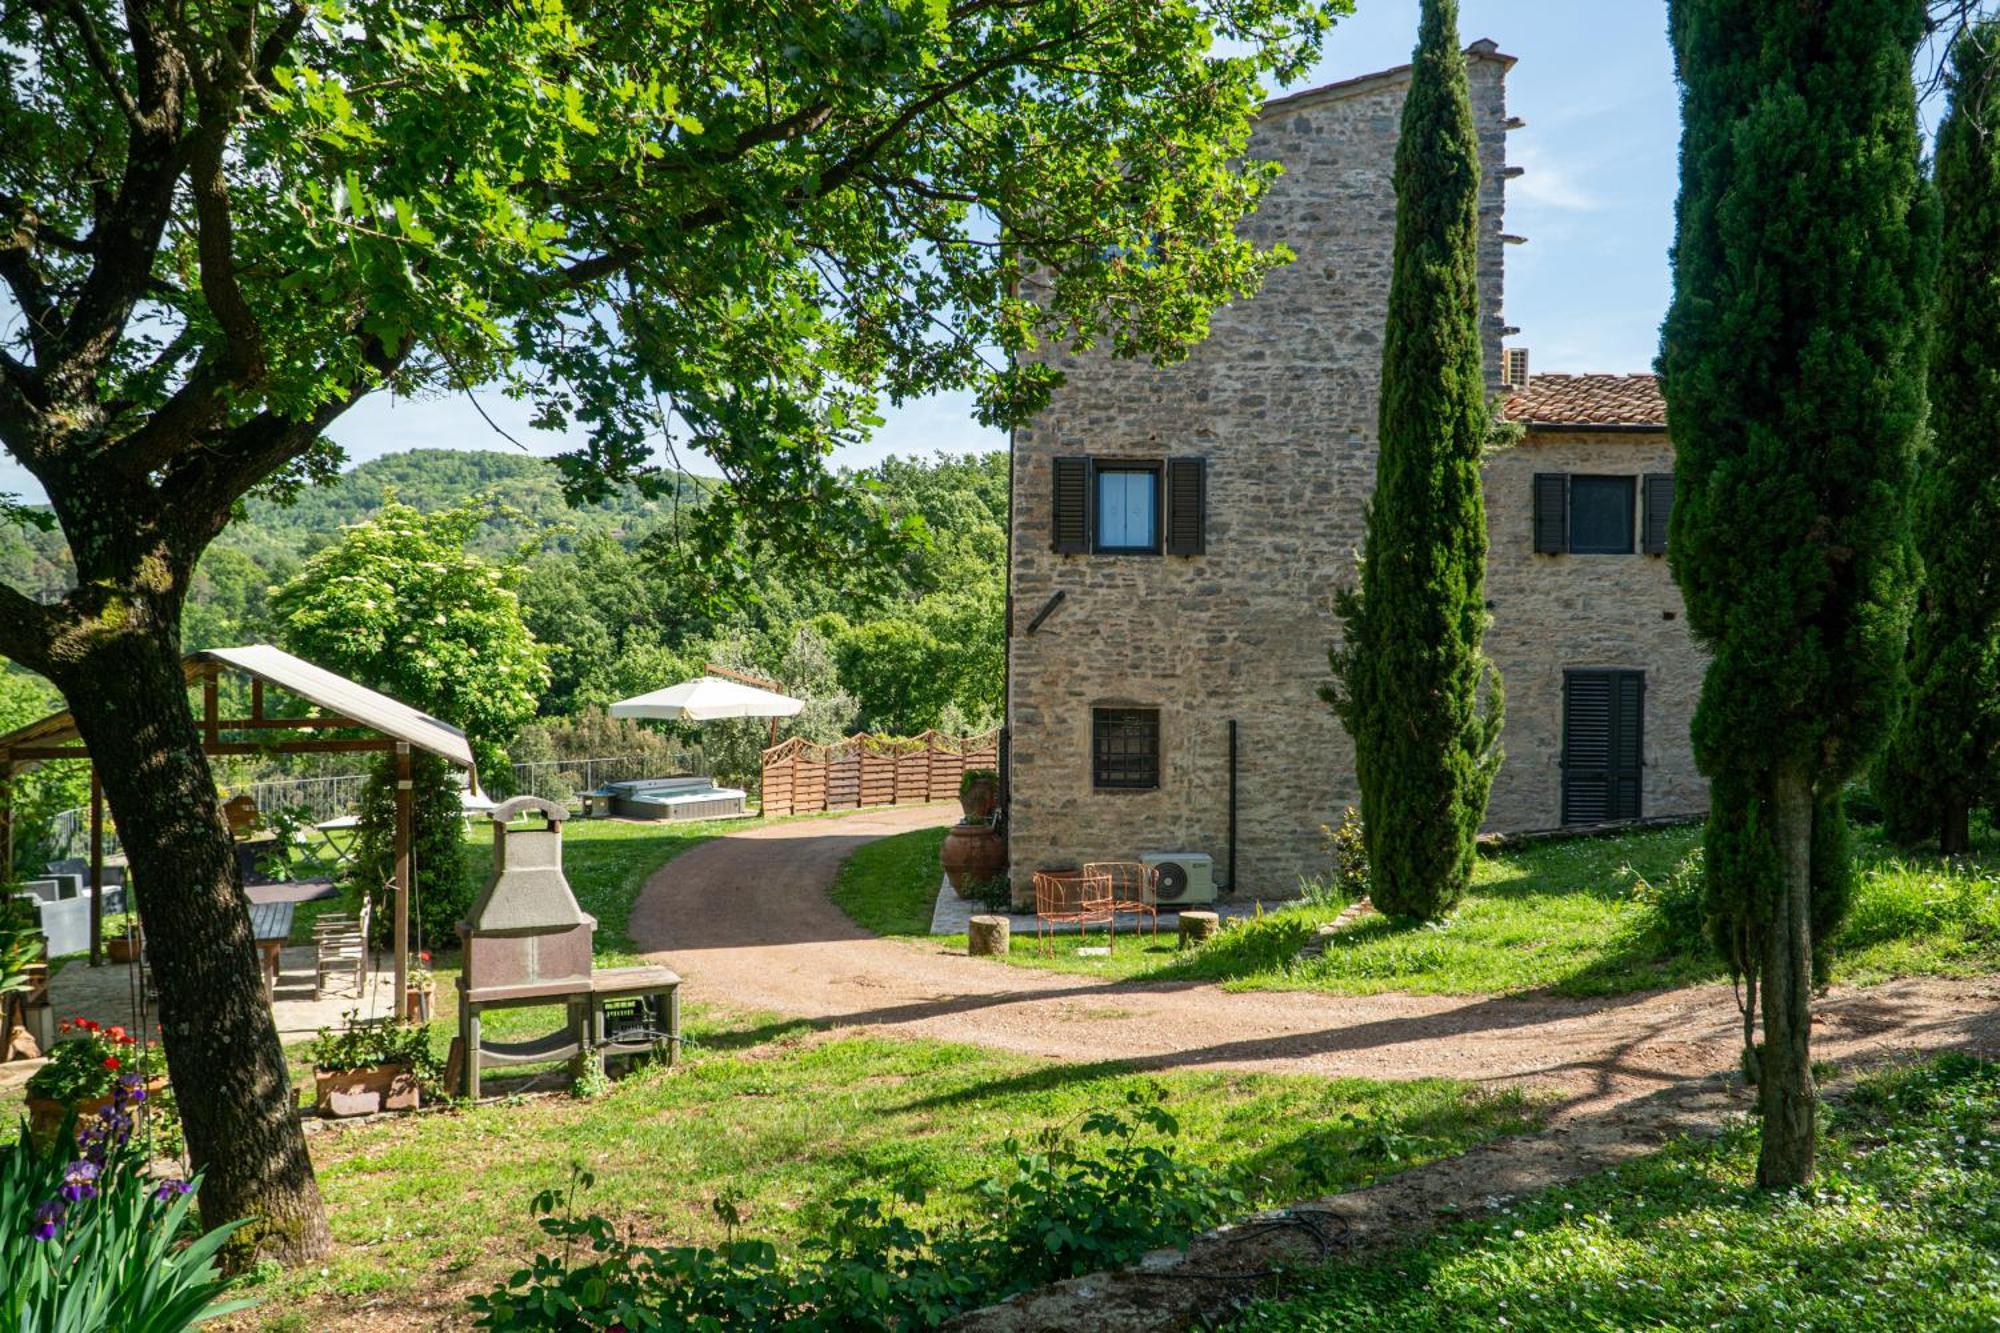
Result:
{"points": [[1603, 759], [1551, 513], [1659, 509], [1071, 526], [1187, 506]]}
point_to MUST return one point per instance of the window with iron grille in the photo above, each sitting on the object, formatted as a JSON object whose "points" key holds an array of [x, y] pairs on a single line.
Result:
{"points": [[1125, 748]]}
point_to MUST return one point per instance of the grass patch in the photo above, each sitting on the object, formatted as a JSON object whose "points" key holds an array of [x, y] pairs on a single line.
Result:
{"points": [[890, 886], [786, 1122], [1572, 917], [1901, 1233]]}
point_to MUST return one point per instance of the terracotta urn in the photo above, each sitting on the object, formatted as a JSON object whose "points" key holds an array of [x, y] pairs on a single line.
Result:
{"points": [[123, 948], [977, 797], [418, 1002], [972, 854], [366, 1091]]}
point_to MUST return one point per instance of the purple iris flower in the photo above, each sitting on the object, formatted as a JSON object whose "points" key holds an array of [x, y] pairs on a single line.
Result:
{"points": [[48, 1218], [80, 1181], [169, 1190]]}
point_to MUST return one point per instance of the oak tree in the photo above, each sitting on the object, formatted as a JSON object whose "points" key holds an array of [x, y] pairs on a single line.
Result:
{"points": [[690, 225]]}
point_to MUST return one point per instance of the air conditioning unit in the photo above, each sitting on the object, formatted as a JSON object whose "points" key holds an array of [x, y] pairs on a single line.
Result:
{"points": [[1186, 878]]}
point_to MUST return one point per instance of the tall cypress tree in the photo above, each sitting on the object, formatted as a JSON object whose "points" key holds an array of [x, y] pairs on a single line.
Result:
{"points": [[1945, 757], [1412, 683], [1793, 364]]}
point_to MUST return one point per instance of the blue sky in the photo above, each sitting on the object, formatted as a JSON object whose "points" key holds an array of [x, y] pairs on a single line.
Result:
{"points": [[1595, 85]]}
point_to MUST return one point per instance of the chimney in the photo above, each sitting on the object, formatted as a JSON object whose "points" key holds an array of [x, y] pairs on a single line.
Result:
{"points": [[1517, 368]]}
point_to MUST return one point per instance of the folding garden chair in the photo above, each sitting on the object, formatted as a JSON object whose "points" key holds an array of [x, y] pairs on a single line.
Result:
{"points": [[1072, 897]]}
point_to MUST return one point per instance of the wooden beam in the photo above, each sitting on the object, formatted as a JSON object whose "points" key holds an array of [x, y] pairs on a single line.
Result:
{"points": [[404, 837], [299, 747], [38, 753], [6, 817], [286, 723], [710, 668], [96, 868], [209, 708], [257, 698]]}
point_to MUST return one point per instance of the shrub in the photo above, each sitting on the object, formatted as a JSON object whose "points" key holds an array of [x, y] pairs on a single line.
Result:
{"points": [[92, 1242], [1063, 1211], [1347, 848], [444, 893], [1674, 907]]}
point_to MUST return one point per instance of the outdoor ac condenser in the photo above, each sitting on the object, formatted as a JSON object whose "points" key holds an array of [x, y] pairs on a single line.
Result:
{"points": [[1187, 879]]}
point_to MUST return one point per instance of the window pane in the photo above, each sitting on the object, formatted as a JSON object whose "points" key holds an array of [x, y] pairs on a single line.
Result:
{"points": [[1125, 747], [1600, 515], [1125, 510]]}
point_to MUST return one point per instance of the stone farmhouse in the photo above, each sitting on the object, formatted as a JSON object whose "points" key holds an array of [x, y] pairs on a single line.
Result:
{"points": [[1178, 536]]}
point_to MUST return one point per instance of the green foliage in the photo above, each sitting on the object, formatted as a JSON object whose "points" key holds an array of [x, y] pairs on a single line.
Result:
{"points": [[363, 1045], [43, 792], [896, 669], [1945, 756], [1900, 1239], [1075, 1202], [89, 1060], [443, 892], [1797, 403], [400, 604], [1347, 848], [89, 1241], [1412, 683]]}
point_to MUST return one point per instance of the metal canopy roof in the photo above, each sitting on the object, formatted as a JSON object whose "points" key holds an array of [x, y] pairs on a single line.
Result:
{"points": [[367, 709]]}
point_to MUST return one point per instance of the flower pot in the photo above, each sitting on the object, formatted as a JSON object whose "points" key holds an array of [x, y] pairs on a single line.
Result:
{"points": [[367, 1091], [45, 1114], [418, 1001], [978, 797], [123, 948], [972, 854]]}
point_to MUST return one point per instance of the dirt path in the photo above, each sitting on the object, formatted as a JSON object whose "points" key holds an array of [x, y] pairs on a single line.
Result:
{"points": [[746, 920]]}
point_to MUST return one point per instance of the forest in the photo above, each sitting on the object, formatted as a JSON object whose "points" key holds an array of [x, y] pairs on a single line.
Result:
{"points": [[611, 602]]}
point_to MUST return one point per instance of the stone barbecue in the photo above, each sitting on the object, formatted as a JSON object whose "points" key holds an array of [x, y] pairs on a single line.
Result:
{"points": [[526, 933], [527, 942]]}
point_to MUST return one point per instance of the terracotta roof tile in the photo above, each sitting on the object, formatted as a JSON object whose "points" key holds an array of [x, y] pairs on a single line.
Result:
{"points": [[1577, 402]]}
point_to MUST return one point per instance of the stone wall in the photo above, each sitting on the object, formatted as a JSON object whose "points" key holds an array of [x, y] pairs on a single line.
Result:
{"points": [[1281, 401], [1552, 613]]}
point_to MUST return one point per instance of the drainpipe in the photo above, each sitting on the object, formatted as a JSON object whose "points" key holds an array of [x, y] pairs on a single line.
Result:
{"points": [[1230, 887]]}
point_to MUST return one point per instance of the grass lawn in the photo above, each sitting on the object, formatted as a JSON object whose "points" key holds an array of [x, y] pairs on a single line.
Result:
{"points": [[786, 1122], [1571, 916], [1901, 1233]]}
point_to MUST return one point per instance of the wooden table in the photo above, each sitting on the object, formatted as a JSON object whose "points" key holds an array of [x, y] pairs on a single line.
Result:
{"points": [[271, 926]]}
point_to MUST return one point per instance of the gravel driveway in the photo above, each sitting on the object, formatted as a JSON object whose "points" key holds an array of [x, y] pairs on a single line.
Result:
{"points": [[747, 921]]}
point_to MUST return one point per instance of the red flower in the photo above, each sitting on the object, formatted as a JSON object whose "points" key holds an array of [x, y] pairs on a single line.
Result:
{"points": [[118, 1034], [424, 956], [111, 1062], [89, 1026]]}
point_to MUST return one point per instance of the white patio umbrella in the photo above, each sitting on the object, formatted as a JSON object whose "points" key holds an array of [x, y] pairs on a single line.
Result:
{"points": [[708, 699]]}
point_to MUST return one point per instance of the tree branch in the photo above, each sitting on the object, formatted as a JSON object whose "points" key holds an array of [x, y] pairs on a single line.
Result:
{"points": [[100, 60], [24, 629]]}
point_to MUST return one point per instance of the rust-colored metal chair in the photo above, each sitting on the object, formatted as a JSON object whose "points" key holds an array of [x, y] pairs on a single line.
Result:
{"points": [[1135, 888], [1072, 897]]}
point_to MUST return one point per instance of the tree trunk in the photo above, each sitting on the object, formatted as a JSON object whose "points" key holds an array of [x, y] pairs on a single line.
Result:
{"points": [[126, 692], [1788, 1099], [1955, 837]]}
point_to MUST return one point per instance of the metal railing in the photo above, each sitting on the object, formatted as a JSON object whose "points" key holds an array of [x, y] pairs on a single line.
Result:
{"points": [[324, 798]]}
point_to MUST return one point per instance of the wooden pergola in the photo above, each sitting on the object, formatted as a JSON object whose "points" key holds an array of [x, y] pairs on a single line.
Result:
{"points": [[340, 704]]}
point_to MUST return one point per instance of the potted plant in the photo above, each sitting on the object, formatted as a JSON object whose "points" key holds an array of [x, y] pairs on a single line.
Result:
{"points": [[84, 1072], [122, 943], [978, 793], [419, 990], [367, 1068]]}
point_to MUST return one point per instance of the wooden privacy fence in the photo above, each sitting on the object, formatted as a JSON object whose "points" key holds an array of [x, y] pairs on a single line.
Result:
{"points": [[803, 778]]}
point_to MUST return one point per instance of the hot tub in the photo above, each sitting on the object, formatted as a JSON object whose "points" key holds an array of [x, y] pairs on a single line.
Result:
{"points": [[683, 797]]}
